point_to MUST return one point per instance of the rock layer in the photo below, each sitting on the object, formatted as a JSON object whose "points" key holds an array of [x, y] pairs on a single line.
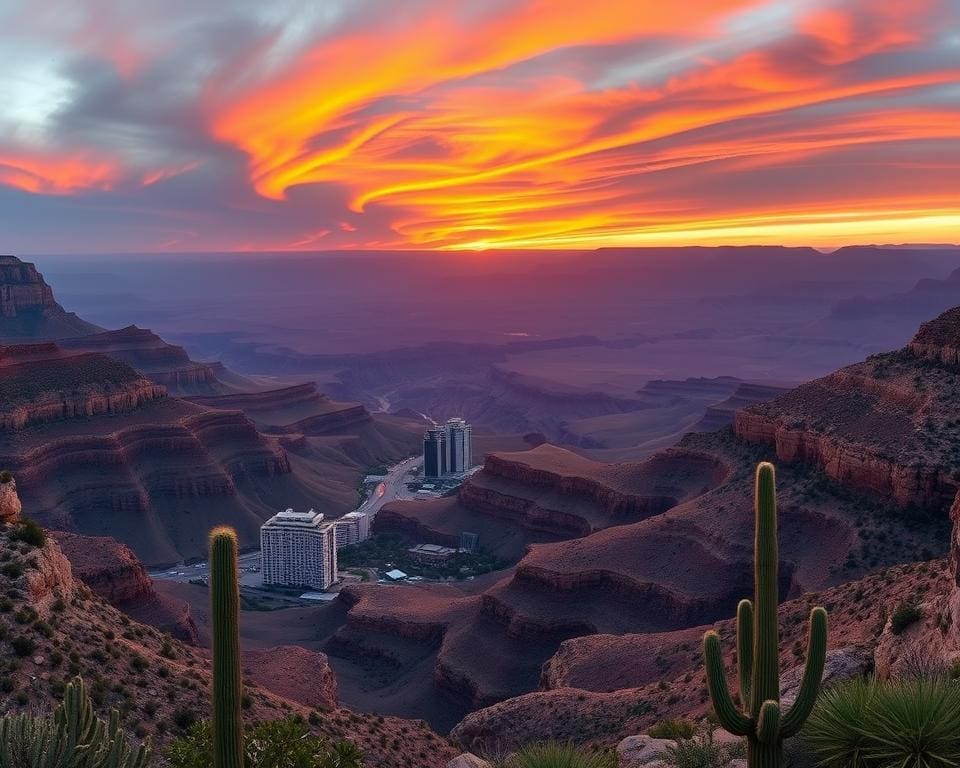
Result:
{"points": [[28, 309]]}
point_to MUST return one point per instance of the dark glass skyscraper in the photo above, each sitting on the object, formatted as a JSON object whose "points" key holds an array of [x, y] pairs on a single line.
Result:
{"points": [[435, 452]]}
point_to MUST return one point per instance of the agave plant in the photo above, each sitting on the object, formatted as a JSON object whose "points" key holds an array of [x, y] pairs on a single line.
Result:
{"points": [[902, 723], [556, 755]]}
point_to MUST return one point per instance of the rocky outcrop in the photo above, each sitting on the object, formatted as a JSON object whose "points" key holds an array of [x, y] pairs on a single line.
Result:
{"points": [[10, 506], [296, 410], [165, 364], [468, 760], [115, 573], [55, 406], [394, 518], [849, 462], [108, 567], [28, 308], [553, 491], [50, 578], [641, 751], [481, 495], [294, 673], [41, 383], [939, 339]]}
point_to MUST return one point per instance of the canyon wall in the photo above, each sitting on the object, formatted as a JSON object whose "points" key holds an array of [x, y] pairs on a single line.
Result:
{"points": [[28, 308]]}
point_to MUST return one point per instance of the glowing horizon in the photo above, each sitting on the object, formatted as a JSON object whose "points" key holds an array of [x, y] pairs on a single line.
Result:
{"points": [[502, 124]]}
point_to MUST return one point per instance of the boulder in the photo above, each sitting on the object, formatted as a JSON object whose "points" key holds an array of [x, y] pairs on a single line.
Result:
{"points": [[841, 664], [9, 502], [642, 750], [468, 760]]}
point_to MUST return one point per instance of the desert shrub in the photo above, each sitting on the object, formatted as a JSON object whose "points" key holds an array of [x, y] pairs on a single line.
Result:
{"points": [[275, 744], [556, 755], [702, 751], [880, 724], [23, 645], [673, 728], [29, 532], [903, 616], [6, 477]]}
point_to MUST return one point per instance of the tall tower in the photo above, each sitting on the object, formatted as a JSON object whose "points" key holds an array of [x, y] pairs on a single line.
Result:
{"points": [[435, 452], [459, 446]]}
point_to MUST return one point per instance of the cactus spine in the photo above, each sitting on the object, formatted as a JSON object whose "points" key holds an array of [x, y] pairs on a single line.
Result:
{"points": [[759, 717], [227, 687]]}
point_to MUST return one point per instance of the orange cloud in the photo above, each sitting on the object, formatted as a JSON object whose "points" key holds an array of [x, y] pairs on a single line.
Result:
{"points": [[531, 123], [420, 120], [57, 175]]}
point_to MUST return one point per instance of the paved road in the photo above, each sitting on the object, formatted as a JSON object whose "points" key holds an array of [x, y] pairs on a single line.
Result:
{"points": [[393, 487]]}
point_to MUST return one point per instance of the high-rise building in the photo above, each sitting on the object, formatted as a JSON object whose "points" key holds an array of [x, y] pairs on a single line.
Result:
{"points": [[435, 452], [298, 549], [447, 450], [459, 446], [352, 528]]}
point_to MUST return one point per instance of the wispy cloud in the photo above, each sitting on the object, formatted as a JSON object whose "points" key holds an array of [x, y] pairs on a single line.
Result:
{"points": [[479, 123]]}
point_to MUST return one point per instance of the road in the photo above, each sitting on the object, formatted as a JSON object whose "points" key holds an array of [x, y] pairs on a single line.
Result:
{"points": [[391, 488]]}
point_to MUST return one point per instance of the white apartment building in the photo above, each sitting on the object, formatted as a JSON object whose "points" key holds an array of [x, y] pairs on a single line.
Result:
{"points": [[298, 549], [352, 528]]}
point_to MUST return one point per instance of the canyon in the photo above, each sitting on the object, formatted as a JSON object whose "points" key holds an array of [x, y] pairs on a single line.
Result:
{"points": [[105, 442], [888, 425], [622, 513], [631, 560], [66, 627]]}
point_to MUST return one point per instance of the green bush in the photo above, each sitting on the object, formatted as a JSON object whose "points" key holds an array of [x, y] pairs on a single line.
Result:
{"points": [[554, 755], [23, 645], [904, 615], [881, 724], [276, 744], [673, 728], [703, 752], [29, 532]]}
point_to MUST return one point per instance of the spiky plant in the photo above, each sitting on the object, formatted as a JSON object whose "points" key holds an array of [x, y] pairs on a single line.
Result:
{"points": [[72, 738], [225, 618], [903, 723], [759, 716], [555, 755]]}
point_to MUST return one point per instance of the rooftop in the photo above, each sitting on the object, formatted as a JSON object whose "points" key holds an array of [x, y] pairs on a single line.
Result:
{"points": [[291, 519]]}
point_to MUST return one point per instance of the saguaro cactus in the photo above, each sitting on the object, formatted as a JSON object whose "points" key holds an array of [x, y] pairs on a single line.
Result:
{"points": [[759, 717], [224, 613]]}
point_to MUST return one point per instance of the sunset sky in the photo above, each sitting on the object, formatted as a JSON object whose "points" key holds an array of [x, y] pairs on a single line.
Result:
{"points": [[189, 125]]}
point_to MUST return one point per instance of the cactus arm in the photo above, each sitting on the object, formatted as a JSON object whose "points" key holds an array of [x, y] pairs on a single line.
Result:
{"points": [[745, 650], [812, 675], [768, 724], [731, 718]]}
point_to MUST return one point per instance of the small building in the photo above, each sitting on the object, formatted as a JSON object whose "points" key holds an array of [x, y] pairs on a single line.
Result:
{"points": [[431, 553], [352, 528], [298, 549], [395, 575]]}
